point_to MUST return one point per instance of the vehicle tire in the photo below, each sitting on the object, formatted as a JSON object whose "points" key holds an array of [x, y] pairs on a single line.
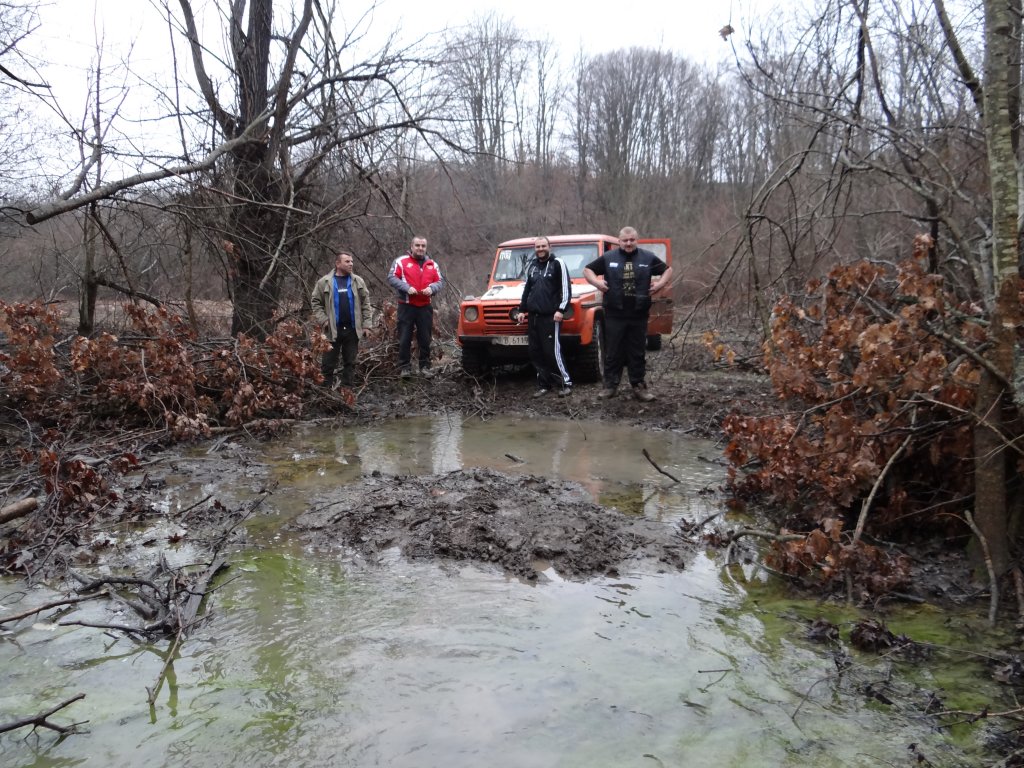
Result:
{"points": [[475, 361], [590, 359], [654, 342]]}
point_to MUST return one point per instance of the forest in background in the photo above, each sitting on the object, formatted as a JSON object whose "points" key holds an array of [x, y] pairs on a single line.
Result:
{"points": [[803, 153]]}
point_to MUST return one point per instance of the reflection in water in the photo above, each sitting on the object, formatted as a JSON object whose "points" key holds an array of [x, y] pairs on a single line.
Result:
{"points": [[312, 660], [346, 449], [605, 459], [446, 444]]}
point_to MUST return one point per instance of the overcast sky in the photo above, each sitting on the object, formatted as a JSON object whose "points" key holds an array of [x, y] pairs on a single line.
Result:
{"points": [[71, 31], [688, 26], [70, 28]]}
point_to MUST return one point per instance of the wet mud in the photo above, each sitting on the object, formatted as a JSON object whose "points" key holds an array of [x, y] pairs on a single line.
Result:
{"points": [[521, 524]]}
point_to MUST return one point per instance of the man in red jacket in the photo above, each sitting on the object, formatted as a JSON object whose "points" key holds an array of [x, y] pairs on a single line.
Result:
{"points": [[416, 278]]}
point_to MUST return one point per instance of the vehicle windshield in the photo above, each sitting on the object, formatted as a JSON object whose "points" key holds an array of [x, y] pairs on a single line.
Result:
{"points": [[512, 261]]}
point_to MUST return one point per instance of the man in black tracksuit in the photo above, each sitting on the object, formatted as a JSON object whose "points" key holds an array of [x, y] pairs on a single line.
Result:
{"points": [[546, 297], [627, 276]]}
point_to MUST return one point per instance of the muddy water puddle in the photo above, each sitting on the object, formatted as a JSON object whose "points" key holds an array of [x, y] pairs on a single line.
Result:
{"points": [[318, 659], [607, 459]]}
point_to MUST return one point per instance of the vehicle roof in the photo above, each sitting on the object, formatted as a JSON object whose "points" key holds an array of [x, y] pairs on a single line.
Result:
{"points": [[557, 239]]}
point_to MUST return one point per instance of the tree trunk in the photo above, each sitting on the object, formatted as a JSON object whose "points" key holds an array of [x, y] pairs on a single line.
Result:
{"points": [[258, 227], [87, 292], [1002, 56]]}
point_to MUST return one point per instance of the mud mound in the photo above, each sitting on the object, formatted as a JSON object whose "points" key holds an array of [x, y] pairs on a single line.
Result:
{"points": [[490, 517]]}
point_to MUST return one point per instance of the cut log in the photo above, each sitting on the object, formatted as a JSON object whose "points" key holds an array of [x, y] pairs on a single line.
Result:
{"points": [[18, 509]]}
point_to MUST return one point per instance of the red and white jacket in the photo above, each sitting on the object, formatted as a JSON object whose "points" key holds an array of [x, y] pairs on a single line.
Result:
{"points": [[408, 272]]}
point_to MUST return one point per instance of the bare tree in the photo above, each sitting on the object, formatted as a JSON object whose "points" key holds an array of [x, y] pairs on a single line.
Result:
{"points": [[310, 100], [278, 106], [641, 130], [485, 69]]}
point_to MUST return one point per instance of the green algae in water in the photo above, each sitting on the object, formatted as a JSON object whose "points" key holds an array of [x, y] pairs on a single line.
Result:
{"points": [[951, 671], [625, 498], [958, 674]]}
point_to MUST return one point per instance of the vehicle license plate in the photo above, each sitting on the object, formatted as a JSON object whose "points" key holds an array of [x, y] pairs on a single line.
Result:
{"points": [[512, 341]]}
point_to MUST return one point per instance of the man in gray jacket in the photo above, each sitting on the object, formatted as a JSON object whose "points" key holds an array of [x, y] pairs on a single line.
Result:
{"points": [[341, 305]]}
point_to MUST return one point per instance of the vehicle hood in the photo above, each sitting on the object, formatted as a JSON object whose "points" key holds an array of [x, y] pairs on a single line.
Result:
{"points": [[515, 292]]}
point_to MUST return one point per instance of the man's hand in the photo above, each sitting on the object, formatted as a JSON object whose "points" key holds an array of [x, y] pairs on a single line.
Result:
{"points": [[412, 291], [558, 317]]}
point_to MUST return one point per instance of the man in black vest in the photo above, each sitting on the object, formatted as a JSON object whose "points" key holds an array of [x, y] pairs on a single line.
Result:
{"points": [[627, 276]]}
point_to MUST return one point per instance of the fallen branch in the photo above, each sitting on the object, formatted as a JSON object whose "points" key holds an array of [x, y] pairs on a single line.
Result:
{"points": [[654, 464], [48, 606], [708, 519], [186, 620], [197, 592], [128, 630], [88, 585], [973, 717], [18, 509], [255, 424], [41, 721], [780, 537], [151, 693], [993, 605]]}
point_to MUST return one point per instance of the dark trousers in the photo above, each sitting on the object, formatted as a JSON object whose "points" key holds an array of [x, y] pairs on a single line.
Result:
{"points": [[420, 319], [345, 346], [546, 352], [625, 343]]}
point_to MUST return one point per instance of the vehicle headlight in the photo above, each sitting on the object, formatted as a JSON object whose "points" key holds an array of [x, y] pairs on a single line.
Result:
{"points": [[471, 314]]}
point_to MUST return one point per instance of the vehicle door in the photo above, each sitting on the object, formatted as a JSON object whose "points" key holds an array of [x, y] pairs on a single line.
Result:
{"points": [[660, 321]]}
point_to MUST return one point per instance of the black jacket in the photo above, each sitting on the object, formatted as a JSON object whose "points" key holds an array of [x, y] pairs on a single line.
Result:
{"points": [[548, 288]]}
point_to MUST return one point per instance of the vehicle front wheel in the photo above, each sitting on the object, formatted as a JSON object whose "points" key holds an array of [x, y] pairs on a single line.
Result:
{"points": [[475, 360], [654, 342], [590, 360]]}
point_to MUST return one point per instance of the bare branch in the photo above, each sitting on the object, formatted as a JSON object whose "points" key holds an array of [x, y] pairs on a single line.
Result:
{"points": [[49, 210], [41, 720]]}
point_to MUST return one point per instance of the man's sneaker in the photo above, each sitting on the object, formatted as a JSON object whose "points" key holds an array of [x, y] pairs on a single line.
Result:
{"points": [[606, 394], [427, 373], [406, 373], [540, 392], [640, 393], [565, 391]]}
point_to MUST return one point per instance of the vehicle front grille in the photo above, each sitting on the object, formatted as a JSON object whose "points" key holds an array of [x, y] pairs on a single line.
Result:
{"points": [[498, 322]]}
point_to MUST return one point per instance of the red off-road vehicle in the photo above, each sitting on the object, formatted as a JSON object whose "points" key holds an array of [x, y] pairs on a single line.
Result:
{"points": [[489, 336]]}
